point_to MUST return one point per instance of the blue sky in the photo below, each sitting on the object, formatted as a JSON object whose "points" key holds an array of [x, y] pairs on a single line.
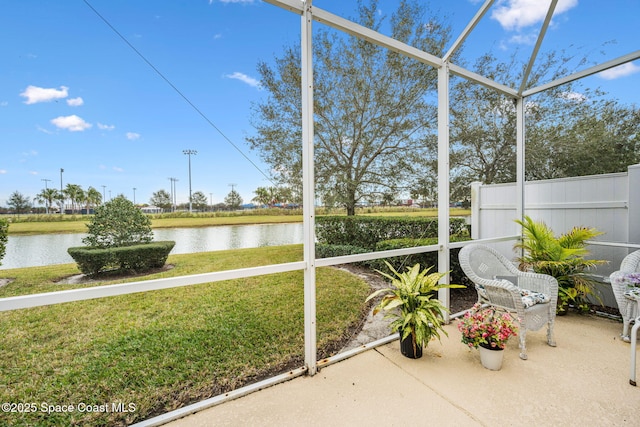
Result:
{"points": [[75, 95]]}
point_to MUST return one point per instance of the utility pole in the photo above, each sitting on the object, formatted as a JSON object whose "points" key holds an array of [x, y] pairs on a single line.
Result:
{"points": [[134, 195], [104, 197], [233, 191], [189, 153]]}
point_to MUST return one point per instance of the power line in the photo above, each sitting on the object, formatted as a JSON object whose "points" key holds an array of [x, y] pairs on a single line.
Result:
{"points": [[187, 100]]}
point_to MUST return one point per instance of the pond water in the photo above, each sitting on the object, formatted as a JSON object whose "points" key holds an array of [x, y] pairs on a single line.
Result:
{"points": [[47, 249]]}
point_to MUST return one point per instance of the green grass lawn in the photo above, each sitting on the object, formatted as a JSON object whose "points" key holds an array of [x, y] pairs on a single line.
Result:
{"points": [[161, 350]]}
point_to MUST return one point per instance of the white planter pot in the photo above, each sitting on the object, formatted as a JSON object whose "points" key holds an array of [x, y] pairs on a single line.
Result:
{"points": [[491, 359]]}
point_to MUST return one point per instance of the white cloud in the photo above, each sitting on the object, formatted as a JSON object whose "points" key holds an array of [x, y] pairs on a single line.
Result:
{"points": [[133, 136], [573, 96], [518, 14], [72, 123], [33, 173], [525, 39], [620, 71], [75, 102], [43, 130], [3, 171], [4, 103], [244, 78], [105, 127], [117, 169], [36, 94]]}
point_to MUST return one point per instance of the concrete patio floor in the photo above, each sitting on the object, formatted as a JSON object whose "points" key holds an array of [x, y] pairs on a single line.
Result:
{"points": [[584, 381]]}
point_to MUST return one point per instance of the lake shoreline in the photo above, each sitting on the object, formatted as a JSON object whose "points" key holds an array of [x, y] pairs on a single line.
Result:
{"points": [[51, 249]]}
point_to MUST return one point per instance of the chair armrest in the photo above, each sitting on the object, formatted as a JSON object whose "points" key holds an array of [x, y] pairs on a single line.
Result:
{"points": [[501, 293], [538, 283], [619, 287]]}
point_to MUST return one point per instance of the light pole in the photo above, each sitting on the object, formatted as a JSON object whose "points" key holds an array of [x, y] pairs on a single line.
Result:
{"points": [[61, 194], [45, 187], [104, 197], [173, 193], [189, 153], [134, 195], [211, 201]]}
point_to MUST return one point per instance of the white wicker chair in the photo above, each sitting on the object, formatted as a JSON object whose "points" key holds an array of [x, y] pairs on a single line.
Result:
{"points": [[628, 309], [487, 269]]}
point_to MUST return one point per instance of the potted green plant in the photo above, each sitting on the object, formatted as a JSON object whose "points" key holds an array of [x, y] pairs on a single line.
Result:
{"points": [[487, 329], [413, 304], [562, 257]]}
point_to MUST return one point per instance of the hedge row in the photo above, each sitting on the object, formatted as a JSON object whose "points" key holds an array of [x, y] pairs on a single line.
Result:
{"points": [[428, 259], [366, 231], [136, 258], [400, 263]]}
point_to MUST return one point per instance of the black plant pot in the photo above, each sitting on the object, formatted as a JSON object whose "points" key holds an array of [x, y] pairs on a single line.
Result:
{"points": [[407, 348]]}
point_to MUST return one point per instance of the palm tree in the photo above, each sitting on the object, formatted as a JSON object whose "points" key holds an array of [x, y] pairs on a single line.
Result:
{"points": [[48, 196], [262, 196], [92, 198], [75, 193], [561, 257], [268, 196]]}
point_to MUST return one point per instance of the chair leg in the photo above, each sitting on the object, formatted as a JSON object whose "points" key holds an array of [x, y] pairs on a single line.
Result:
{"points": [[523, 345], [634, 337], [550, 338], [625, 330]]}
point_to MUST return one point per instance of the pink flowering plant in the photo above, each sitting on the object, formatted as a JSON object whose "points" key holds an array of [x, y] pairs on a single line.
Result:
{"points": [[487, 327]]}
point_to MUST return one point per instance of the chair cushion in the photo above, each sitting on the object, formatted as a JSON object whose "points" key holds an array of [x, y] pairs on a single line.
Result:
{"points": [[529, 298], [633, 293]]}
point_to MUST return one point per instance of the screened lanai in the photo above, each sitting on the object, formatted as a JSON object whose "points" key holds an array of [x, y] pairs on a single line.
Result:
{"points": [[448, 67], [523, 96]]}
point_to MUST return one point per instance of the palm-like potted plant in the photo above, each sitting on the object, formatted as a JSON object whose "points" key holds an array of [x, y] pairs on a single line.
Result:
{"points": [[413, 304], [562, 257]]}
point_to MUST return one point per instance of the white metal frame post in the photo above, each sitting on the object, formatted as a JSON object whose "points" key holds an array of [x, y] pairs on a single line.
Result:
{"points": [[443, 182], [520, 161], [308, 190]]}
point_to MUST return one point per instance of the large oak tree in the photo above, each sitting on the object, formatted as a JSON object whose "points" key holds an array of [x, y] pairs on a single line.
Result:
{"points": [[374, 109]]}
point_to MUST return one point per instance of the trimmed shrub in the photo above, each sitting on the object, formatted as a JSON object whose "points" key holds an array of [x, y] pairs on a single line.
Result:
{"points": [[367, 231], [133, 258], [118, 223], [329, 251]]}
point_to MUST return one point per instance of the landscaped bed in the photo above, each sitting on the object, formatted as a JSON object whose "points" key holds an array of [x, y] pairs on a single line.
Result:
{"points": [[119, 360]]}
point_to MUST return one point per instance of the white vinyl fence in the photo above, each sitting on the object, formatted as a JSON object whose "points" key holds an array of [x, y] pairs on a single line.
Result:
{"points": [[609, 203]]}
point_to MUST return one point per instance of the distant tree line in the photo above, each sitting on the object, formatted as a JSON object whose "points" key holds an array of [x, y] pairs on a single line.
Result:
{"points": [[56, 200]]}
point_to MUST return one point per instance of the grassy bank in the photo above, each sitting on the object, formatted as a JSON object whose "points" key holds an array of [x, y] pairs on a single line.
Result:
{"points": [[79, 224], [158, 351], [46, 224]]}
